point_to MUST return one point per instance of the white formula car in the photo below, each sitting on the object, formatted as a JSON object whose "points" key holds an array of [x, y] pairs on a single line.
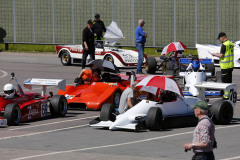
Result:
{"points": [[197, 72], [204, 51], [154, 115]]}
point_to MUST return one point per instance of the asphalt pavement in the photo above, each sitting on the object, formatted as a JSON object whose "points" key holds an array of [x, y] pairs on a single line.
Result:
{"points": [[71, 137]]}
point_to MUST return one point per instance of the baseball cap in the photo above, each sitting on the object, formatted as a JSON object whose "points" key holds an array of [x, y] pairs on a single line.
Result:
{"points": [[221, 34], [97, 15], [201, 105], [90, 21]]}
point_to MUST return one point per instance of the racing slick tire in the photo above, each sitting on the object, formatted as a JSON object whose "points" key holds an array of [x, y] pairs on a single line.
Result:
{"points": [[58, 106], [210, 68], [168, 68], [218, 76], [154, 119], [109, 58], [66, 58], [151, 65], [222, 111], [107, 112], [116, 98], [13, 114]]}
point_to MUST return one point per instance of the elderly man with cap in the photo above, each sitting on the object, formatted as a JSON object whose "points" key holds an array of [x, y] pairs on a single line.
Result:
{"points": [[226, 59], [99, 28], [203, 135], [88, 43]]}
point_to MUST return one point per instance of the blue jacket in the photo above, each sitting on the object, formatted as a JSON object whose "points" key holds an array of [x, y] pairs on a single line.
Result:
{"points": [[140, 35]]}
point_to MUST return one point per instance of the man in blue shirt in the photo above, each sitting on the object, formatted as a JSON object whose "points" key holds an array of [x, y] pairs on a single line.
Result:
{"points": [[140, 41]]}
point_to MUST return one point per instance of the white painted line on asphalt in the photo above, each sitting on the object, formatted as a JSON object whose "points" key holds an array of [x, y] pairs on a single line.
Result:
{"points": [[231, 158], [4, 74], [36, 133], [77, 119], [115, 145]]}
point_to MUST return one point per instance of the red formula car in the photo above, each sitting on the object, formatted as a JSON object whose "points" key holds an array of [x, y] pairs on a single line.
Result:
{"points": [[96, 94], [22, 107]]}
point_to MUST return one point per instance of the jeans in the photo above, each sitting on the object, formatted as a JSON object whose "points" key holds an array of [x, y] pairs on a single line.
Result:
{"points": [[140, 48]]}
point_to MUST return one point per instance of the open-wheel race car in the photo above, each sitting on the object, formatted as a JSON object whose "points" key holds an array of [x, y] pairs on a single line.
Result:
{"points": [[17, 106], [94, 95], [172, 109], [173, 66], [197, 71], [122, 58]]}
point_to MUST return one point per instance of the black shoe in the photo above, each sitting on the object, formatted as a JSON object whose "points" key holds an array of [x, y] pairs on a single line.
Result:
{"points": [[140, 72]]}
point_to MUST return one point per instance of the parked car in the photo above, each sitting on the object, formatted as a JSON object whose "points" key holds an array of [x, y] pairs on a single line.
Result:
{"points": [[27, 106], [172, 107]]}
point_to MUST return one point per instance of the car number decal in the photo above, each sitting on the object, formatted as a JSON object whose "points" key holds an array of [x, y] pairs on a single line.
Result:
{"points": [[233, 96], [44, 109]]}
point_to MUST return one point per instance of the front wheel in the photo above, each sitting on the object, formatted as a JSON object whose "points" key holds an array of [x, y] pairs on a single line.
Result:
{"points": [[109, 58], [66, 58], [58, 106], [107, 112], [154, 119], [13, 114], [116, 98]]}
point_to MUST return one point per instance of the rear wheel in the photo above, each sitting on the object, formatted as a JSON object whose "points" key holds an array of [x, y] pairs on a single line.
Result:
{"points": [[168, 68], [66, 58], [13, 114], [151, 65], [222, 111], [58, 106], [154, 119], [210, 68], [107, 112]]}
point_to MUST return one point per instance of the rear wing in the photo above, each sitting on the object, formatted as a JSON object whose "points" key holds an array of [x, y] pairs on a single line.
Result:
{"points": [[189, 60], [229, 87], [60, 83]]}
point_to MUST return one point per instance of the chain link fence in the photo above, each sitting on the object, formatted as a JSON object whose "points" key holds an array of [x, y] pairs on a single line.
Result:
{"points": [[62, 21]]}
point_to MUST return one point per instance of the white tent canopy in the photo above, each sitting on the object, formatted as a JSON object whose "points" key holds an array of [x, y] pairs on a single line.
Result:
{"points": [[113, 34]]}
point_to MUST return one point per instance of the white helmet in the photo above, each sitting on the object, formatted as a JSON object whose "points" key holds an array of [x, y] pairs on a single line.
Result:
{"points": [[9, 90]]}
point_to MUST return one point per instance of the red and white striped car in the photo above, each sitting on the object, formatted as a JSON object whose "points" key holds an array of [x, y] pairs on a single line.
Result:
{"points": [[72, 54]]}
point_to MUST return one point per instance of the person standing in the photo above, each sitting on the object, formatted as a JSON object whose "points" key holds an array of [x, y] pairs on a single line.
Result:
{"points": [[140, 41], [88, 43], [226, 60], [203, 135], [99, 28]]}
